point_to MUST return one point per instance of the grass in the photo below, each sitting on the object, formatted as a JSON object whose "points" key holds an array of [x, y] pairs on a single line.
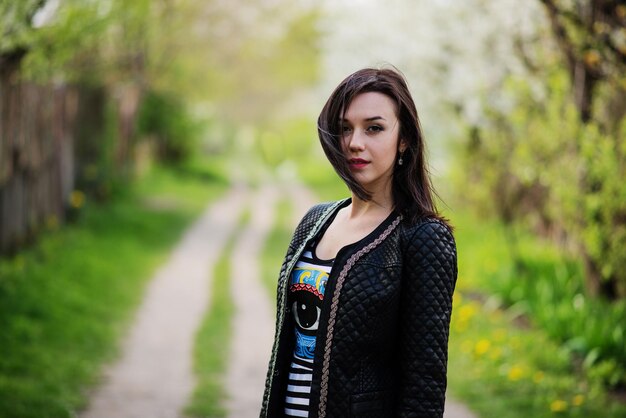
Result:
{"points": [[65, 301], [547, 286], [213, 340], [276, 246], [502, 370], [502, 363]]}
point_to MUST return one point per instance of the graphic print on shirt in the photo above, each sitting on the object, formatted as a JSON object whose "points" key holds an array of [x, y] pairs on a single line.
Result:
{"points": [[308, 282], [306, 294]]}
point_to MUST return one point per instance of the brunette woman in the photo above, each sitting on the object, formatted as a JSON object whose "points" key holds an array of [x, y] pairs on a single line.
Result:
{"points": [[365, 291]]}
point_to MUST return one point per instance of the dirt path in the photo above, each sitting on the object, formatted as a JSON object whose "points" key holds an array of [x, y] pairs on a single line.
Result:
{"points": [[457, 410], [153, 377], [254, 314]]}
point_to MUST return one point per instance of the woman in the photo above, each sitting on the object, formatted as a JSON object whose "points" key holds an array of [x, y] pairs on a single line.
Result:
{"points": [[365, 291]]}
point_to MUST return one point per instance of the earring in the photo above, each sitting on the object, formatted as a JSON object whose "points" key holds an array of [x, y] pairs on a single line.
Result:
{"points": [[400, 160]]}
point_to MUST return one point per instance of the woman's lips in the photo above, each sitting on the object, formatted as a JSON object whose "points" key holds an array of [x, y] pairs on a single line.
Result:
{"points": [[357, 163]]}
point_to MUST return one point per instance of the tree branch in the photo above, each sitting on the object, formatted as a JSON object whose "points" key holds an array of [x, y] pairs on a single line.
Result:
{"points": [[562, 37], [607, 10]]}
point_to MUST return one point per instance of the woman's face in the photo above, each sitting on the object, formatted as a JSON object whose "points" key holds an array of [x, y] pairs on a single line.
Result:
{"points": [[370, 140]]}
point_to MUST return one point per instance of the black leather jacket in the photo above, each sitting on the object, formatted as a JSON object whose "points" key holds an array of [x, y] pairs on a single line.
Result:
{"points": [[382, 342]]}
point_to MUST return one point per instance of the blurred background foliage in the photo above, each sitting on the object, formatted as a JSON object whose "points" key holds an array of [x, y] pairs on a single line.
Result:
{"points": [[523, 105]]}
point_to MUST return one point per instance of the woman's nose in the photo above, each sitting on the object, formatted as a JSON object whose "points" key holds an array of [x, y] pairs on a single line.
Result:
{"points": [[356, 141]]}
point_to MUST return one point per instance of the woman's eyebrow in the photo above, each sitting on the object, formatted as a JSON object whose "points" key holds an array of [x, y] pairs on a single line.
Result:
{"points": [[366, 119]]}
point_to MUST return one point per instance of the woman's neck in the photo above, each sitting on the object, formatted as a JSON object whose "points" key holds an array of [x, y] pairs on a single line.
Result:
{"points": [[377, 207]]}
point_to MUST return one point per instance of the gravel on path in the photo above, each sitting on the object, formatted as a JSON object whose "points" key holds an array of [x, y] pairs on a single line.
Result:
{"points": [[153, 378]]}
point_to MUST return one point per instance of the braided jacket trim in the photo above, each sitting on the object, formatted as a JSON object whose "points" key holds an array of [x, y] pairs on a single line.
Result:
{"points": [[333, 311]]}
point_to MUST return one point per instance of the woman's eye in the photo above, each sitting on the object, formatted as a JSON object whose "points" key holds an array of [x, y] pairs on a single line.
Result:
{"points": [[375, 128], [346, 130]]}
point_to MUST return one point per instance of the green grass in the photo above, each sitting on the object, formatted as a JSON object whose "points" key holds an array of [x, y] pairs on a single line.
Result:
{"points": [[65, 301], [212, 343], [503, 370], [276, 246], [503, 363], [546, 285]]}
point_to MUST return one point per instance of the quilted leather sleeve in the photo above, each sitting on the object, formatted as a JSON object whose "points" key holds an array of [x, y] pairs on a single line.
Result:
{"points": [[430, 272]]}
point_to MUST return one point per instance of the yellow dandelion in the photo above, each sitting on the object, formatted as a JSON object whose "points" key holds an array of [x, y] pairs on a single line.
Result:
{"points": [[466, 312], [558, 405], [515, 373], [482, 347], [538, 377], [77, 199], [578, 400], [52, 222]]}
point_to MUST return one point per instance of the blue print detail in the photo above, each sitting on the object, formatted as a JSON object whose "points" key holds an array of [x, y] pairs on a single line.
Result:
{"points": [[305, 345], [313, 277]]}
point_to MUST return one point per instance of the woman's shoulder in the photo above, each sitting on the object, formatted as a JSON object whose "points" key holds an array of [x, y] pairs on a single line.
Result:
{"points": [[429, 229], [429, 243], [318, 210]]}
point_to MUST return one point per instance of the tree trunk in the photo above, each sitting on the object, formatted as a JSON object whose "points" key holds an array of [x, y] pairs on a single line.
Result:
{"points": [[584, 83]]}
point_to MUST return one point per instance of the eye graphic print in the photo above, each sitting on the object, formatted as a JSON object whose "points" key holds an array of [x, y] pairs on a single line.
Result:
{"points": [[306, 308]]}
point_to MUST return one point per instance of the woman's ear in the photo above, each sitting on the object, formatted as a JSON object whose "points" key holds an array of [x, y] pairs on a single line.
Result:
{"points": [[402, 146]]}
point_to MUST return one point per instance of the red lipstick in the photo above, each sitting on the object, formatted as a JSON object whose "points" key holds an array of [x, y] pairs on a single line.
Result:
{"points": [[357, 163]]}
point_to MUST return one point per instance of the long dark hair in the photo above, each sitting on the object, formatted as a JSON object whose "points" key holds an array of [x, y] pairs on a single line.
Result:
{"points": [[412, 191]]}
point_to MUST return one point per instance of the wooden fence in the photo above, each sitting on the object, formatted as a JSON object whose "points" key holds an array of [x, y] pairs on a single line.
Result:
{"points": [[36, 156], [49, 134]]}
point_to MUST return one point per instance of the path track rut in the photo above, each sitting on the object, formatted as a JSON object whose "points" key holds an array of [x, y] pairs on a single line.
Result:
{"points": [[153, 378], [253, 323]]}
